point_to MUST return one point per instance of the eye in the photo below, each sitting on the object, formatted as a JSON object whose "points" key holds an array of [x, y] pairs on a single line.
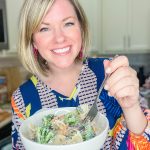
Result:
{"points": [[69, 24], [44, 29]]}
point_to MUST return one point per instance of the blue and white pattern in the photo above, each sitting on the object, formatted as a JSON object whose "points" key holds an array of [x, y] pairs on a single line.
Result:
{"points": [[86, 91]]}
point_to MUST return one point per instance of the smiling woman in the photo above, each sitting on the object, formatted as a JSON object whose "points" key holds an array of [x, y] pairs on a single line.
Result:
{"points": [[53, 45], [54, 35], [58, 38]]}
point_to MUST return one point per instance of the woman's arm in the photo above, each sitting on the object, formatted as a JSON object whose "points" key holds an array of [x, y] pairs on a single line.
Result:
{"points": [[124, 86], [135, 119]]}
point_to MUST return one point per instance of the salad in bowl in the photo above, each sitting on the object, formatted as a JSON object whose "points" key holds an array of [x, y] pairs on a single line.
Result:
{"points": [[59, 128]]}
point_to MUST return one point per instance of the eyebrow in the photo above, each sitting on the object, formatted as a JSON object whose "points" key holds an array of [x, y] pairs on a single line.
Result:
{"points": [[46, 23], [69, 18]]}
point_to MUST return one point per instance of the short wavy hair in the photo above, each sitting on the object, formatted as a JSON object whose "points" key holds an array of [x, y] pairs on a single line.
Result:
{"points": [[31, 15]]}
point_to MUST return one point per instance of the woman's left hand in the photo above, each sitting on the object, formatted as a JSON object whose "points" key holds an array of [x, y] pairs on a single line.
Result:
{"points": [[123, 83]]}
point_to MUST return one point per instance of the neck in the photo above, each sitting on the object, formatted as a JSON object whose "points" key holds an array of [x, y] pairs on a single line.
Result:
{"points": [[63, 80], [57, 72]]}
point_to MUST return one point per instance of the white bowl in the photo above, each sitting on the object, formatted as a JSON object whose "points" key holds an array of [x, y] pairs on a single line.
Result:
{"points": [[93, 144]]}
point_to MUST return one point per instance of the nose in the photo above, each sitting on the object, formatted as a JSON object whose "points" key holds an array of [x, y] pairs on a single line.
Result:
{"points": [[59, 35]]}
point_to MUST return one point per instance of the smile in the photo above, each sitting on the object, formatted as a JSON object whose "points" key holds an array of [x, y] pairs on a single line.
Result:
{"points": [[61, 50]]}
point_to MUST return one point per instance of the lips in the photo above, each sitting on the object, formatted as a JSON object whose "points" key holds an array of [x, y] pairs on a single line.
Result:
{"points": [[64, 50]]}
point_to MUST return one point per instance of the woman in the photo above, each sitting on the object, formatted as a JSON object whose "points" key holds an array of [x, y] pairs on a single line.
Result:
{"points": [[52, 46]]}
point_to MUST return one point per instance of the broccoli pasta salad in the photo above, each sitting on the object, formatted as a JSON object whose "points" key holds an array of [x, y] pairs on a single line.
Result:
{"points": [[64, 129]]}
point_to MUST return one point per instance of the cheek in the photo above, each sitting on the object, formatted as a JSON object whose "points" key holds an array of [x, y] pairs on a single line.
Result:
{"points": [[78, 34], [78, 37], [40, 42]]}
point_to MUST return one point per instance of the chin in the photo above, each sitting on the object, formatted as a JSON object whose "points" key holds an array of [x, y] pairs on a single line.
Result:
{"points": [[64, 65]]}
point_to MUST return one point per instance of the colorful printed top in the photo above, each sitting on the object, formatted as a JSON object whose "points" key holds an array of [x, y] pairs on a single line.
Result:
{"points": [[34, 95]]}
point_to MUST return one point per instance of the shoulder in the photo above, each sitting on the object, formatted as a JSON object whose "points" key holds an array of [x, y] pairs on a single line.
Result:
{"points": [[26, 97], [24, 87], [96, 59], [17, 97], [96, 62], [96, 65], [28, 83], [16, 94]]}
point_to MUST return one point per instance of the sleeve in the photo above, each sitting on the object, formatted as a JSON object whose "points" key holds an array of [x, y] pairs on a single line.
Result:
{"points": [[133, 141], [18, 115]]}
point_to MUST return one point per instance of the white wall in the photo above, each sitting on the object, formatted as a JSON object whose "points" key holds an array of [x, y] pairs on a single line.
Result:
{"points": [[93, 11], [13, 8]]}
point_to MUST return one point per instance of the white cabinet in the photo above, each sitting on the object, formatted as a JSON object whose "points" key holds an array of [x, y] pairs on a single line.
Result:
{"points": [[13, 9], [126, 26], [93, 12]]}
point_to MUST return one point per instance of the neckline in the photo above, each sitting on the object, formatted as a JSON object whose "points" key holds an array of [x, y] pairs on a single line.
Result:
{"points": [[84, 65]]}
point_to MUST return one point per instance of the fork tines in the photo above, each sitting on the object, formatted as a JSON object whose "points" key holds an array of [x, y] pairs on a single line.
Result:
{"points": [[92, 113]]}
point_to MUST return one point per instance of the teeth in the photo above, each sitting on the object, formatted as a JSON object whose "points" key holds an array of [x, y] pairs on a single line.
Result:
{"points": [[62, 50]]}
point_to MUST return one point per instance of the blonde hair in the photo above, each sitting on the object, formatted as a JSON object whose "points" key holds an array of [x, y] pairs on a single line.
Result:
{"points": [[31, 16]]}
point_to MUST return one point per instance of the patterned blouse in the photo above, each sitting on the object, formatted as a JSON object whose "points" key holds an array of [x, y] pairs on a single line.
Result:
{"points": [[85, 91]]}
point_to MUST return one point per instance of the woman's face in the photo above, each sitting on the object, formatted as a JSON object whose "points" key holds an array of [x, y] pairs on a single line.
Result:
{"points": [[58, 39]]}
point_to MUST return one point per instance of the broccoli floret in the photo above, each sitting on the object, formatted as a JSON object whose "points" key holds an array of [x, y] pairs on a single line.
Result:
{"points": [[44, 135], [71, 119], [49, 137], [88, 132], [46, 122]]}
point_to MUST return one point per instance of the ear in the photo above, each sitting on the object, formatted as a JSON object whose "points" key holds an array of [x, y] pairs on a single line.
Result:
{"points": [[33, 42], [34, 45]]}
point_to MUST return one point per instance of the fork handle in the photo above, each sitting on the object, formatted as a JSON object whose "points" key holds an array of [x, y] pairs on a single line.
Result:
{"points": [[101, 87], [104, 81]]}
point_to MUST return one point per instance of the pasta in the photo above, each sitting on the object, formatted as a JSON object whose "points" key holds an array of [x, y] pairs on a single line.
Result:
{"points": [[63, 129]]}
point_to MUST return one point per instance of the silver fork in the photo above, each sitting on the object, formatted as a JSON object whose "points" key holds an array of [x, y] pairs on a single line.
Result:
{"points": [[94, 110]]}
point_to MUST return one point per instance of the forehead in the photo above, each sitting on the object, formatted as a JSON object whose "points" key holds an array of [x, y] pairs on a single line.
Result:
{"points": [[59, 10]]}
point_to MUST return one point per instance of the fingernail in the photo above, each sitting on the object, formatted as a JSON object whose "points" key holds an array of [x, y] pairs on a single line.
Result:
{"points": [[109, 94], [108, 70], [106, 87]]}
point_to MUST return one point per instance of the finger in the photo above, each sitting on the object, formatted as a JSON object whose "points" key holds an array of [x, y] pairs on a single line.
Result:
{"points": [[123, 83], [147, 111], [120, 74], [106, 64], [148, 117], [129, 91], [120, 61]]}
